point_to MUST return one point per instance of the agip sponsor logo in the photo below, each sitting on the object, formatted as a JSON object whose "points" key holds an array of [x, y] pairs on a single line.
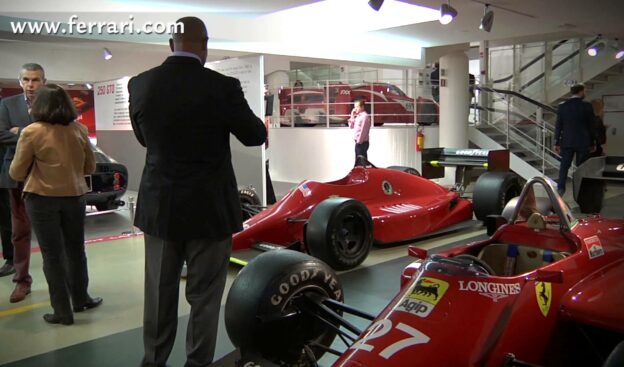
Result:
{"points": [[423, 298], [495, 291]]}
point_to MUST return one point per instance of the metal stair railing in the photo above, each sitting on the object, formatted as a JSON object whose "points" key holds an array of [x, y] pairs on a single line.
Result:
{"points": [[540, 145], [570, 58]]}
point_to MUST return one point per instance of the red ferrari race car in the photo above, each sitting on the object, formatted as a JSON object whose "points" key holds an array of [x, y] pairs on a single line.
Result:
{"points": [[544, 289], [339, 221]]}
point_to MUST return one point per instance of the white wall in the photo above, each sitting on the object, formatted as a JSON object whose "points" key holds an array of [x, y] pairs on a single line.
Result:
{"points": [[322, 154], [73, 62]]}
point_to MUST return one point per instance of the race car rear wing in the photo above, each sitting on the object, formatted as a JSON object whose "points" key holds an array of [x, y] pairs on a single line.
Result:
{"points": [[435, 159], [590, 178]]}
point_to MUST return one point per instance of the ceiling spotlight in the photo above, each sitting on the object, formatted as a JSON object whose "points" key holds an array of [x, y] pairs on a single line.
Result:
{"points": [[595, 49], [447, 13], [107, 54], [488, 19], [375, 4], [619, 54], [89, 86]]}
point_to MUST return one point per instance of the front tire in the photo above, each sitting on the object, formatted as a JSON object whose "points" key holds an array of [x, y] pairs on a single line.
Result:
{"points": [[340, 232], [492, 191], [262, 314]]}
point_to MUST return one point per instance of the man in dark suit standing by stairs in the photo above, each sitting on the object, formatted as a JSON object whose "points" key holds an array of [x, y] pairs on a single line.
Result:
{"points": [[574, 133]]}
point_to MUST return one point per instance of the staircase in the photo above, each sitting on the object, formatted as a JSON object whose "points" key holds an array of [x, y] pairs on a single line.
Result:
{"points": [[520, 115], [548, 76], [528, 136]]}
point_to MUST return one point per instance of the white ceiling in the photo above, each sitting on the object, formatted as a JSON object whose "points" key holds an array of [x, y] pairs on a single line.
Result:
{"points": [[243, 25]]}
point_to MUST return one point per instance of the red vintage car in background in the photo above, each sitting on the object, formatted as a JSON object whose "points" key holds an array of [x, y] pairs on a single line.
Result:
{"points": [[544, 289], [386, 103]]}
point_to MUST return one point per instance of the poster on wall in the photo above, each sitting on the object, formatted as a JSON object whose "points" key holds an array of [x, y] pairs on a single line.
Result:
{"points": [[83, 101], [249, 162], [111, 105]]}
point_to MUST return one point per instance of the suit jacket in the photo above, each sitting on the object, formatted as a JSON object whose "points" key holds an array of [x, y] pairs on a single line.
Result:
{"points": [[184, 114], [13, 113], [574, 127], [53, 159]]}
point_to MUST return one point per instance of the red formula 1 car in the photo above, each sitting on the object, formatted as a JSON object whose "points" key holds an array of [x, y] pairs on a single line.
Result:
{"points": [[339, 221], [544, 289]]}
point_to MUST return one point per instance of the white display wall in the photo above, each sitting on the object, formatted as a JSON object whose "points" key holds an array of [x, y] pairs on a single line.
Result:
{"points": [[249, 162], [325, 154]]}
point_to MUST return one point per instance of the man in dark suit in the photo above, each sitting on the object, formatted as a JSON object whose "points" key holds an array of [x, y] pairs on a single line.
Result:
{"points": [[188, 203], [574, 133], [14, 116]]}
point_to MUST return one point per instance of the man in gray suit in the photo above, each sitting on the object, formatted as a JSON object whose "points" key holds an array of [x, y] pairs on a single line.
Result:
{"points": [[188, 205], [14, 116]]}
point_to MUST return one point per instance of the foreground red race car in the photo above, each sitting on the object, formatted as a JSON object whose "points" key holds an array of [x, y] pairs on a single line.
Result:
{"points": [[339, 221], [544, 289]]}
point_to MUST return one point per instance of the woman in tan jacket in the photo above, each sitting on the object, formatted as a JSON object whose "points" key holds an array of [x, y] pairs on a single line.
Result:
{"points": [[52, 157]]}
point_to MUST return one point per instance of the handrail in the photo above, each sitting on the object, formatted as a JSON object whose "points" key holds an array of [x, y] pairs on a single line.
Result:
{"points": [[528, 65], [563, 61], [516, 94]]}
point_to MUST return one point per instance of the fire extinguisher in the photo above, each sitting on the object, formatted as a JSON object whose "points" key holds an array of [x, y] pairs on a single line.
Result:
{"points": [[420, 139]]}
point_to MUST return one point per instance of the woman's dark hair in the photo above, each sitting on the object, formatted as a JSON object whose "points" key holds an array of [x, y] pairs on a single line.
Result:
{"points": [[53, 105]]}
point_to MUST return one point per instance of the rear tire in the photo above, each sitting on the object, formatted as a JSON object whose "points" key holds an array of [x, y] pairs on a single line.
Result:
{"points": [[590, 196], [492, 191], [340, 232], [616, 357], [265, 292], [249, 200], [410, 170]]}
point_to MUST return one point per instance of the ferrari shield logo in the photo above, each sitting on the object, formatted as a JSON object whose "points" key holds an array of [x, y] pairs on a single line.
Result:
{"points": [[543, 294]]}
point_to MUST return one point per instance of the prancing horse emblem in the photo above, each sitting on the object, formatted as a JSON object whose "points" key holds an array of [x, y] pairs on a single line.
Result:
{"points": [[543, 294]]}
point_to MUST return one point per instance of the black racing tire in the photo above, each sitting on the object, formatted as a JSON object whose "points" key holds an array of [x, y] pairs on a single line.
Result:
{"points": [[492, 191], [410, 170], [616, 357], [250, 199], [591, 196], [340, 232], [265, 291]]}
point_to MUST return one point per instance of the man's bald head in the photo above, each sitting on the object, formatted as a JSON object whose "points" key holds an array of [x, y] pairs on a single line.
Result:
{"points": [[192, 38]]}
